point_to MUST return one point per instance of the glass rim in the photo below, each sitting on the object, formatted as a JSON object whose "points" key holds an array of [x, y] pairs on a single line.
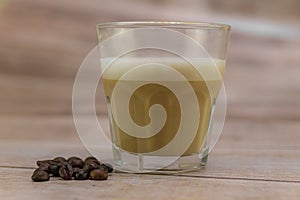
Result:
{"points": [[163, 24]]}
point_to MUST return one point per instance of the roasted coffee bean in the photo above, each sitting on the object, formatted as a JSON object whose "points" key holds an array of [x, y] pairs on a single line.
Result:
{"points": [[86, 168], [73, 157], [75, 170], [40, 162], [91, 159], [66, 171], [73, 167], [81, 175], [45, 167], [53, 162], [59, 159], [109, 167], [54, 170], [39, 176], [75, 162], [90, 166], [99, 174], [55, 166], [103, 167]]}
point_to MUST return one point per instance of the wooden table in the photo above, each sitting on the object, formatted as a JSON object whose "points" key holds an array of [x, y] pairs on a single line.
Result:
{"points": [[257, 156], [246, 164]]}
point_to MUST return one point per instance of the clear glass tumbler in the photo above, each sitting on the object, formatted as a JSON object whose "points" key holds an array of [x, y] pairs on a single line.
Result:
{"points": [[161, 81]]}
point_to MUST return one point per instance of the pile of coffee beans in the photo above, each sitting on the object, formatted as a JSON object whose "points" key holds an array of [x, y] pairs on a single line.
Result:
{"points": [[71, 168]]}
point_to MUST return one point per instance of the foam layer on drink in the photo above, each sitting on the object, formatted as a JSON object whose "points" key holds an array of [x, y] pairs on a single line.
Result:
{"points": [[209, 69]]}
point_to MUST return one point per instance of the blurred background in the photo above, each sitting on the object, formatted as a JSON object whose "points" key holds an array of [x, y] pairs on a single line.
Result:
{"points": [[42, 44]]}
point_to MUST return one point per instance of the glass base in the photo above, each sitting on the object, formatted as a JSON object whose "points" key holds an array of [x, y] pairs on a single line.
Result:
{"points": [[141, 163]]}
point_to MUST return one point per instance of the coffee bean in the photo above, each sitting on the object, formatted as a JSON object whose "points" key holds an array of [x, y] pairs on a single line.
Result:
{"points": [[40, 162], [59, 159], [81, 175], [75, 162], [54, 170], [90, 158], [103, 167], [76, 170], [109, 167], [73, 157], [66, 171], [73, 167], [39, 176], [92, 161], [99, 174], [45, 167], [54, 167], [90, 166]]}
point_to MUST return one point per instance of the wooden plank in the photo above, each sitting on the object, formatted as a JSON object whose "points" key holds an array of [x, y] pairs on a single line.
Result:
{"points": [[16, 183], [253, 163], [234, 163], [246, 150]]}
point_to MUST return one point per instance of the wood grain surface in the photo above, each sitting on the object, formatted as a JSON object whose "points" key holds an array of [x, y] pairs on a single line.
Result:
{"points": [[41, 47], [122, 186]]}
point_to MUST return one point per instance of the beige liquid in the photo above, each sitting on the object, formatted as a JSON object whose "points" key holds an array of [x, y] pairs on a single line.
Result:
{"points": [[205, 87]]}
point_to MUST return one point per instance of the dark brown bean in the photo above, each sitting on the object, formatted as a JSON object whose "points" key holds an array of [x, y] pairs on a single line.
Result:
{"points": [[39, 176], [99, 174], [45, 167], [40, 162], [59, 159], [73, 157], [54, 167], [76, 170], [90, 166], [81, 175], [54, 170], [91, 159], [66, 171], [103, 167], [73, 167], [109, 167], [75, 162]]}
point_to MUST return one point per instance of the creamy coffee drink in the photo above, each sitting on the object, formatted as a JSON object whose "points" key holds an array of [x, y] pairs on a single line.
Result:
{"points": [[130, 105]]}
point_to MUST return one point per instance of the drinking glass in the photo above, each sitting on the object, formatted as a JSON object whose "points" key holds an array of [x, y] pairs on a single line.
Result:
{"points": [[161, 81]]}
